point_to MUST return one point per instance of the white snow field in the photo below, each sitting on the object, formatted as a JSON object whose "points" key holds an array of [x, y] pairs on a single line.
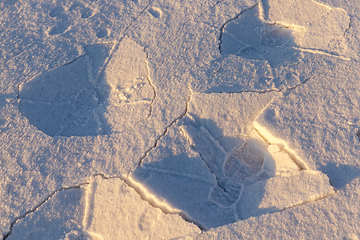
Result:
{"points": [[179, 119]]}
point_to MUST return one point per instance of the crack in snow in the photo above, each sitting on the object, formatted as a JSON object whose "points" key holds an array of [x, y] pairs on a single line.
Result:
{"points": [[116, 44], [190, 176], [322, 52], [104, 95], [267, 160], [283, 146], [89, 201], [348, 29], [137, 187], [36, 207], [155, 202], [19, 86], [302, 83], [311, 200], [232, 19], [152, 101], [166, 129], [276, 43], [144, 194], [218, 179]]}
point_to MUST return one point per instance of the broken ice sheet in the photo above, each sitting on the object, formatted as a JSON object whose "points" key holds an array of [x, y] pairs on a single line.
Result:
{"points": [[267, 47], [192, 172], [85, 98], [116, 211]]}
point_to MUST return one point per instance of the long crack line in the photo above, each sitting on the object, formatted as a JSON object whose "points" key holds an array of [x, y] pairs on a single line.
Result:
{"points": [[166, 129], [302, 83], [39, 205], [309, 201]]}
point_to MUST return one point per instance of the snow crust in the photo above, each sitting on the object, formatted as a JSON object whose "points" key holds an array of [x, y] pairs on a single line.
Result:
{"points": [[158, 119]]}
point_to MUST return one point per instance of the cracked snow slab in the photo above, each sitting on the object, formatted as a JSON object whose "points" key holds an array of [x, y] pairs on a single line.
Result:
{"points": [[235, 115], [85, 97], [217, 159], [266, 47], [44, 35], [116, 211], [319, 117], [212, 185], [105, 208], [72, 121], [36, 161], [330, 218]]}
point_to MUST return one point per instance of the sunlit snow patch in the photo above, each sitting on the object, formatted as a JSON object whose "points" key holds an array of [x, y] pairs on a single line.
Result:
{"points": [[91, 95]]}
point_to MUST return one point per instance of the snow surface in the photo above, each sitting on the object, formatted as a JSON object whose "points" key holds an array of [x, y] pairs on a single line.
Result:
{"points": [[154, 119]]}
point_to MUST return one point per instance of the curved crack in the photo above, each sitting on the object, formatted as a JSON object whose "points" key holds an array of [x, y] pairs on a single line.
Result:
{"points": [[232, 19]]}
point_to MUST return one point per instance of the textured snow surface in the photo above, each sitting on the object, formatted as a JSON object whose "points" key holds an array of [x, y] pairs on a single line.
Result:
{"points": [[161, 119]]}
